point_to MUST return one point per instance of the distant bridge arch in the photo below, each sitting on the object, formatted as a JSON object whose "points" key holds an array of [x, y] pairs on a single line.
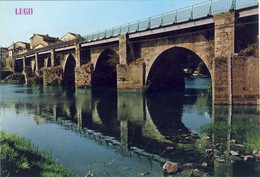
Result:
{"points": [[69, 70], [105, 73], [66, 58]]}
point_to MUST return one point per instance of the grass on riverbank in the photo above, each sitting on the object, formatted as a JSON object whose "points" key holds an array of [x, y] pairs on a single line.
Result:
{"points": [[19, 157], [251, 139]]}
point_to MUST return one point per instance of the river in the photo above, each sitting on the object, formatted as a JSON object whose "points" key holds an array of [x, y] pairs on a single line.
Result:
{"points": [[125, 134]]}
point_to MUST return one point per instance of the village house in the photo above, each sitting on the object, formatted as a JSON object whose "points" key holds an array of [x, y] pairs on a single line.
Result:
{"points": [[3, 53], [40, 40], [18, 48], [71, 36]]}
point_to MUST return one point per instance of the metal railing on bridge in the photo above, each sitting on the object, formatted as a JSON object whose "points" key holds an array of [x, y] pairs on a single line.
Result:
{"points": [[193, 12]]}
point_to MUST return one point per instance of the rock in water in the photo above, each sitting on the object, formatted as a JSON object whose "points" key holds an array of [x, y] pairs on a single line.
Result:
{"points": [[204, 164], [186, 166], [233, 153], [248, 157], [170, 167], [257, 156]]}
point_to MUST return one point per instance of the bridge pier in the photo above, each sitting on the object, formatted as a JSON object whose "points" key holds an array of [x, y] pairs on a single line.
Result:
{"points": [[36, 64], [130, 76], [24, 64], [224, 49], [53, 57], [77, 54], [235, 78]]}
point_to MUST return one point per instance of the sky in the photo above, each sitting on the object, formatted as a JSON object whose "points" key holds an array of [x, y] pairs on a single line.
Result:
{"points": [[56, 18]]}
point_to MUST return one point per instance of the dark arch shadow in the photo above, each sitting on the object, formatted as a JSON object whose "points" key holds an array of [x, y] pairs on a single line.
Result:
{"points": [[69, 72], [167, 72], [105, 74]]}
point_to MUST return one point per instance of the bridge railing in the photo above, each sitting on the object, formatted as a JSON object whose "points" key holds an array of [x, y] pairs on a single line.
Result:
{"points": [[239, 4], [197, 11]]}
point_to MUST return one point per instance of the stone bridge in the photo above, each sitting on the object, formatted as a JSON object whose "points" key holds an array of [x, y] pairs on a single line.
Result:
{"points": [[152, 58]]}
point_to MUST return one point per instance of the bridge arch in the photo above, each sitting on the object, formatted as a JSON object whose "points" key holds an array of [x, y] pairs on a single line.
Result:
{"points": [[69, 70], [202, 44], [166, 73], [105, 72]]}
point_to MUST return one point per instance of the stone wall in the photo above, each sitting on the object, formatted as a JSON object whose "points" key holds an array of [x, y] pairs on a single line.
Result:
{"points": [[236, 80], [83, 75], [224, 34], [52, 75], [221, 81], [224, 49], [130, 78], [245, 80]]}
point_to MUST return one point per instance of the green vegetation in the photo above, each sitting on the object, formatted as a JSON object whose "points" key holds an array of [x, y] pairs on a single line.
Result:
{"points": [[15, 78], [35, 80], [210, 89], [250, 50], [19, 157], [251, 140], [217, 127]]}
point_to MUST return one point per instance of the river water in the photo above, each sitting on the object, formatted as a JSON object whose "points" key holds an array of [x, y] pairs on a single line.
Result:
{"points": [[125, 134]]}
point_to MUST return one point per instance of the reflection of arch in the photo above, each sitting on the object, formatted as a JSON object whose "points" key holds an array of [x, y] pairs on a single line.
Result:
{"points": [[105, 74], [105, 103], [167, 71], [166, 113], [69, 71]]}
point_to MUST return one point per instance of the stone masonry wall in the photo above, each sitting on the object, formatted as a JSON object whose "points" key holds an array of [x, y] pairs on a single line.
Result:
{"points": [[224, 34], [52, 75], [224, 48], [221, 81], [130, 78], [245, 80], [83, 75]]}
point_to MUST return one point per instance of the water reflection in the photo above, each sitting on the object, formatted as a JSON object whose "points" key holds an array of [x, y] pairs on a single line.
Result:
{"points": [[149, 122]]}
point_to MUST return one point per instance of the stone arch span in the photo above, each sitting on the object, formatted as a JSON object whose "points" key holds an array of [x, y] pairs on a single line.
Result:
{"points": [[202, 44], [166, 73], [105, 72], [69, 71]]}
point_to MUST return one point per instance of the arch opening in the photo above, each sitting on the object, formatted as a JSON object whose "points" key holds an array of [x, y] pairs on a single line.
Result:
{"points": [[105, 74], [69, 71], [171, 67]]}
